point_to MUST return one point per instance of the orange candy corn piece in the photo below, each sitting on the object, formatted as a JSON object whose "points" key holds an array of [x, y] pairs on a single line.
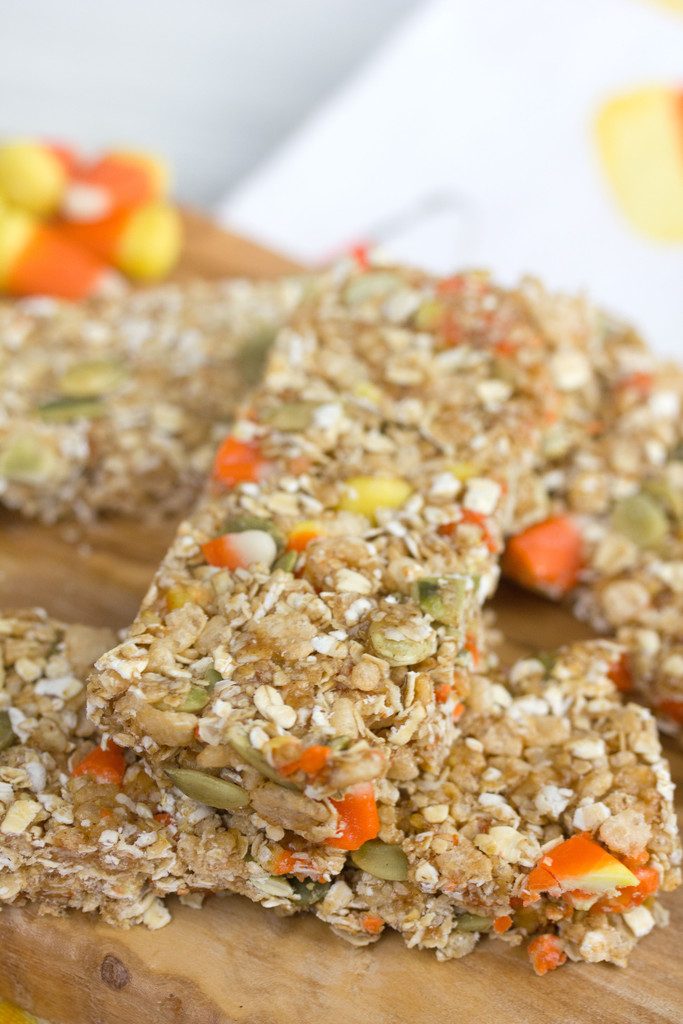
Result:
{"points": [[579, 863], [116, 180], [547, 557], [36, 260], [142, 242], [358, 818], [50, 266], [106, 765]]}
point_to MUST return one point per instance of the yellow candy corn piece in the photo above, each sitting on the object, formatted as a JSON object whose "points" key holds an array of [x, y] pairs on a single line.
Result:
{"points": [[32, 177], [640, 139]]}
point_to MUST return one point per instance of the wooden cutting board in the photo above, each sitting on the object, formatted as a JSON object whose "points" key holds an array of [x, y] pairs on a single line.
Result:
{"points": [[234, 961]]}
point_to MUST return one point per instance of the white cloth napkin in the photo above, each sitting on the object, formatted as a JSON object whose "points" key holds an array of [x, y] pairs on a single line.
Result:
{"points": [[469, 139]]}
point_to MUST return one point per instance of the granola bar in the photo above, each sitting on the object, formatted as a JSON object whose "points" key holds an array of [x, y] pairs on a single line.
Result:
{"points": [[316, 615], [116, 405], [613, 463], [553, 821], [83, 825]]}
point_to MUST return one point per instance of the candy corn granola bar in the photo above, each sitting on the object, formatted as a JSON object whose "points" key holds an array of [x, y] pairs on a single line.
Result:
{"points": [[317, 616], [116, 405], [552, 822], [604, 520], [84, 826]]}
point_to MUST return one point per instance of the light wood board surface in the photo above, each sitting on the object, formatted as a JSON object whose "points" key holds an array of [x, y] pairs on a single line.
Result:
{"points": [[233, 961]]}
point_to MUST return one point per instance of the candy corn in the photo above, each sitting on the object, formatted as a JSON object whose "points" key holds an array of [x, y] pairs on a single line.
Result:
{"points": [[579, 863], [33, 175], [119, 179], [240, 550], [141, 241], [640, 140], [36, 260], [238, 462]]}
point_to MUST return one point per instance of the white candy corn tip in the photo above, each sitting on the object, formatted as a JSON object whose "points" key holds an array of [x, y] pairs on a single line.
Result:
{"points": [[253, 546], [83, 202], [111, 284]]}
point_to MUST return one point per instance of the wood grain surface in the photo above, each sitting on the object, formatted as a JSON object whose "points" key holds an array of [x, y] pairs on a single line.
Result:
{"points": [[233, 962]]}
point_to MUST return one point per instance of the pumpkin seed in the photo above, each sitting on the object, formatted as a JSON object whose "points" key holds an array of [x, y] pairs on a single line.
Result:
{"points": [[253, 352], [429, 315], [208, 789], [243, 523], [274, 885], [339, 742], [64, 410], [286, 561], [473, 923], [547, 659], [27, 460], [444, 597], [383, 860], [641, 519], [7, 737], [88, 380], [291, 415], [308, 892], [668, 496], [212, 676], [239, 741], [527, 918], [196, 698], [399, 652], [373, 285]]}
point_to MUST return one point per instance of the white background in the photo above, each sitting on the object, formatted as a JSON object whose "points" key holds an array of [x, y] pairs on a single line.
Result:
{"points": [[212, 83]]}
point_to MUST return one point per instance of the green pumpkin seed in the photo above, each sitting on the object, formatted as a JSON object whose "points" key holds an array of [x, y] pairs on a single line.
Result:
{"points": [[547, 659], [91, 379], [373, 285], [399, 652], [196, 698], [444, 597], [242, 523], [64, 410], [641, 519], [383, 860], [208, 789], [274, 885], [239, 741], [7, 737], [526, 918], [473, 923], [253, 353], [339, 742], [308, 892], [286, 561], [27, 460], [668, 496], [429, 315], [291, 415], [212, 676]]}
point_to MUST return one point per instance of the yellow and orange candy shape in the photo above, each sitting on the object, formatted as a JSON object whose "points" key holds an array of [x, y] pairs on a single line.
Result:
{"points": [[640, 140], [70, 228]]}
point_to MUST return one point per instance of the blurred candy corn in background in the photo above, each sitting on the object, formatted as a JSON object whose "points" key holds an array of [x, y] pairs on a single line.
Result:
{"points": [[640, 137], [70, 227]]}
